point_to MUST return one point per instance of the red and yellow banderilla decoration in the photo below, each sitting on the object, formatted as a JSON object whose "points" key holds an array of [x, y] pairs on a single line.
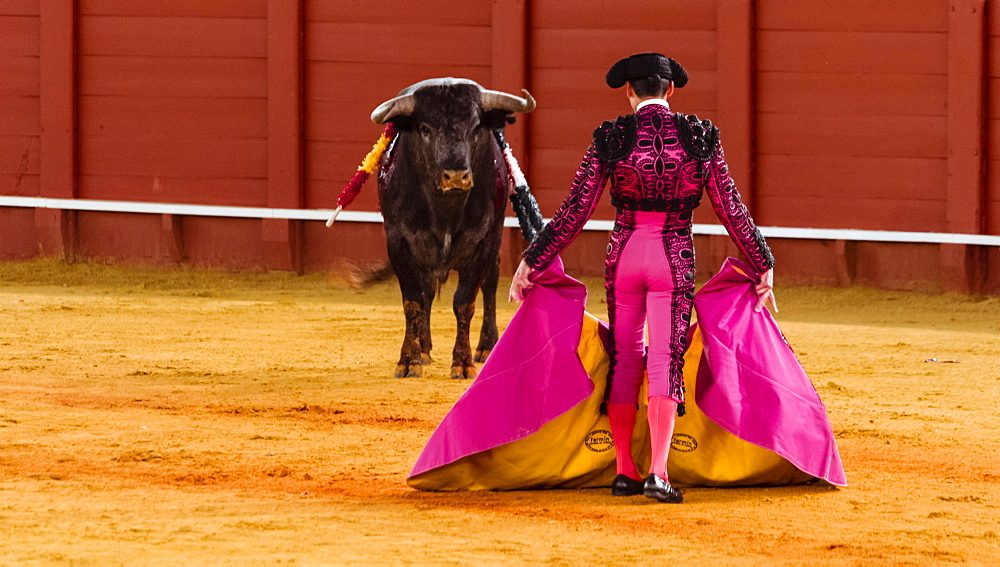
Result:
{"points": [[368, 166], [524, 204]]}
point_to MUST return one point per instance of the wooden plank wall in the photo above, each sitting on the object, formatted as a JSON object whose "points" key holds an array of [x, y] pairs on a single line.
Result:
{"points": [[849, 115], [852, 130], [172, 107], [20, 122], [846, 114]]}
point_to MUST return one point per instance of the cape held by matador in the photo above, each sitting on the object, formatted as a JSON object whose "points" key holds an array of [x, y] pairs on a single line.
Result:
{"points": [[532, 418]]}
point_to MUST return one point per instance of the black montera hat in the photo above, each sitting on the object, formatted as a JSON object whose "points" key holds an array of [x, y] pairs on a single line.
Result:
{"points": [[643, 65]]}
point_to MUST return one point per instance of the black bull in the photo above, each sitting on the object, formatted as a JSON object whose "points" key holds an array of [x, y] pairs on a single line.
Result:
{"points": [[443, 189]]}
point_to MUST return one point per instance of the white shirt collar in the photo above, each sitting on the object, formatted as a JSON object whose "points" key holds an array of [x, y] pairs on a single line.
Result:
{"points": [[650, 101]]}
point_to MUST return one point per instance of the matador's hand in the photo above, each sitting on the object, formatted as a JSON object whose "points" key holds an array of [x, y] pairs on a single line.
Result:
{"points": [[765, 291], [520, 285]]}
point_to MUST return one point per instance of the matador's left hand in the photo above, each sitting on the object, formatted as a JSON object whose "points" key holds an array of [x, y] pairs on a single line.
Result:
{"points": [[520, 285], [765, 291]]}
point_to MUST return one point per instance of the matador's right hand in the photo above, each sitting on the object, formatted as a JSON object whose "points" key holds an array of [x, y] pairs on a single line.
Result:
{"points": [[765, 291]]}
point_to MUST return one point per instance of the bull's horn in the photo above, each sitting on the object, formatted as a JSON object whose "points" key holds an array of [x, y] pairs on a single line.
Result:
{"points": [[392, 108], [505, 101], [404, 102]]}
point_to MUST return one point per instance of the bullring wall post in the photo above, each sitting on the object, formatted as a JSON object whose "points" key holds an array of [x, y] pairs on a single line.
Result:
{"points": [[509, 61], [736, 99], [283, 237], [55, 229], [963, 266]]}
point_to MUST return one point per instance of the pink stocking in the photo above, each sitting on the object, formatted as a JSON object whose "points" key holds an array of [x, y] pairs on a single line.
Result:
{"points": [[662, 415], [622, 418]]}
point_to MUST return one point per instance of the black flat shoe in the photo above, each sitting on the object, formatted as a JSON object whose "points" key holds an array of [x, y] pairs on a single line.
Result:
{"points": [[625, 486], [659, 489]]}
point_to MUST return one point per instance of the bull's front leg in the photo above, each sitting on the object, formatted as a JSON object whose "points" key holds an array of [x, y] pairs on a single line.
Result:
{"points": [[424, 330], [418, 292], [417, 297], [464, 305], [488, 334], [409, 365]]}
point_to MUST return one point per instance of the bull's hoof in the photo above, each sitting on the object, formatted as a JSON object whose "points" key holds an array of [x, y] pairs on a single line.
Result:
{"points": [[409, 371], [481, 355], [425, 358], [459, 372]]}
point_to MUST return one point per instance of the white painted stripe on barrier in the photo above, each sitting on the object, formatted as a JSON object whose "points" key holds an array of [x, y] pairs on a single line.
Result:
{"points": [[880, 235], [510, 222], [169, 208]]}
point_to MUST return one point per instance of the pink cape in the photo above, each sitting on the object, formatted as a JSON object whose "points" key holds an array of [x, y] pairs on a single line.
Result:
{"points": [[756, 389], [533, 375]]}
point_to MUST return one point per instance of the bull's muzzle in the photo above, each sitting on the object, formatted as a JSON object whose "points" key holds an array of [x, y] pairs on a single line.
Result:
{"points": [[455, 180]]}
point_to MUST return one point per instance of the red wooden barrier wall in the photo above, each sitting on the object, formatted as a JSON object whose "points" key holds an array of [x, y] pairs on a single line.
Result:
{"points": [[852, 129], [834, 114], [20, 123]]}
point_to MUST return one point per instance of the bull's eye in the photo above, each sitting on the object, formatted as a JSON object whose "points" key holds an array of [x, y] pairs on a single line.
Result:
{"points": [[425, 130]]}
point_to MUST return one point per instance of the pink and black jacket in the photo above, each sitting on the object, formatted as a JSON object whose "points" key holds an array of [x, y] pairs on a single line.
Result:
{"points": [[657, 161]]}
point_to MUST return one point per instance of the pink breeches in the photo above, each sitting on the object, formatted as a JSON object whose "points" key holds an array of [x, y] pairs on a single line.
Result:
{"points": [[645, 290]]}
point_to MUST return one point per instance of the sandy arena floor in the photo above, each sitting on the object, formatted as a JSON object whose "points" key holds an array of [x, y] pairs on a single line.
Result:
{"points": [[153, 416]]}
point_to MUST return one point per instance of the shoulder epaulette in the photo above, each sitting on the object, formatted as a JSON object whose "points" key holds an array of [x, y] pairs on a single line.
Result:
{"points": [[699, 137], [616, 140]]}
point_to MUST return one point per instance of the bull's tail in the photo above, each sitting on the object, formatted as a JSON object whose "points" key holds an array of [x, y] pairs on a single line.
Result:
{"points": [[365, 276]]}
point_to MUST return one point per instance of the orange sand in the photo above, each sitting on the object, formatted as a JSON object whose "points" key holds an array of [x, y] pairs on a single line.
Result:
{"points": [[202, 417]]}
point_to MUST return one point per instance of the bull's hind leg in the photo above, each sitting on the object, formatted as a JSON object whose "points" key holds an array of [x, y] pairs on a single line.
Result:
{"points": [[488, 334], [464, 305]]}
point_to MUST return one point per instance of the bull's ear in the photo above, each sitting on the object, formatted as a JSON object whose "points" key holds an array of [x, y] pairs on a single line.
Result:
{"points": [[497, 118], [403, 122]]}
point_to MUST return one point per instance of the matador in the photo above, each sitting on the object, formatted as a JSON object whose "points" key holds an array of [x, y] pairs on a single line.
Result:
{"points": [[660, 164]]}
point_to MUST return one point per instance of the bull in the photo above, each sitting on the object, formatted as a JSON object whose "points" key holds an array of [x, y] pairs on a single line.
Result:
{"points": [[443, 188]]}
